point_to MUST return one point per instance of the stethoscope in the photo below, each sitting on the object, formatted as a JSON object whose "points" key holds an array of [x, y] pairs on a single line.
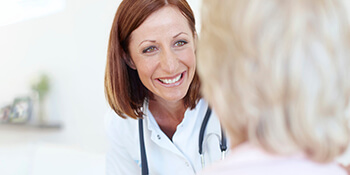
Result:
{"points": [[223, 143]]}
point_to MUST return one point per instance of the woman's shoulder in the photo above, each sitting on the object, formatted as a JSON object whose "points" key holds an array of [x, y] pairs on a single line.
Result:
{"points": [[118, 127], [251, 160], [113, 119]]}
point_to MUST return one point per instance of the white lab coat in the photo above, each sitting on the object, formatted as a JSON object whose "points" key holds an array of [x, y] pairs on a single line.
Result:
{"points": [[164, 156]]}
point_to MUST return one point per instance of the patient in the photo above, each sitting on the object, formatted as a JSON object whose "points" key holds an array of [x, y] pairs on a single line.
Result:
{"points": [[277, 74]]}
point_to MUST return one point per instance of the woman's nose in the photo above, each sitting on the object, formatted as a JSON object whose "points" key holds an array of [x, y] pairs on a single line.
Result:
{"points": [[169, 61]]}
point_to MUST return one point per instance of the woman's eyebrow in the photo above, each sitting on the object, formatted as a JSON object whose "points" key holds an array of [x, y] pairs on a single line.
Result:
{"points": [[152, 41], [180, 34]]}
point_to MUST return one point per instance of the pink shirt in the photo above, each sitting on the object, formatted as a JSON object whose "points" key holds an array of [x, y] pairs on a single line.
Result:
{"points": [[247, 159]]}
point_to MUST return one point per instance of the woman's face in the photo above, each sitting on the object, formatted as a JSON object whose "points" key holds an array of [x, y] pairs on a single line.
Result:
{"points": [[162, 49]]}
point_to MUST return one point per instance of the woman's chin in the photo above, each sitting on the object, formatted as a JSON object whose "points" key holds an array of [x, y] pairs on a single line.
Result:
{"points": [[171, 97]]}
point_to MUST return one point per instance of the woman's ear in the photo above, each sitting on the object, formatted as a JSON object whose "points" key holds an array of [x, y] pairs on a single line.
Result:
{"points": [[129, 61]]}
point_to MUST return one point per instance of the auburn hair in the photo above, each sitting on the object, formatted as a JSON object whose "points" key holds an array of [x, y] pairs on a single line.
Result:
{"points": [[124, 90]]}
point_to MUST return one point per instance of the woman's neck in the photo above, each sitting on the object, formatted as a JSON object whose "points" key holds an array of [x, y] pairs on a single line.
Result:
{"points": [[167, 114]]}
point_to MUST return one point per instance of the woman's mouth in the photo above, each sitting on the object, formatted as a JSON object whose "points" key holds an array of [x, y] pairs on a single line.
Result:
{"points": [[171, 80]]}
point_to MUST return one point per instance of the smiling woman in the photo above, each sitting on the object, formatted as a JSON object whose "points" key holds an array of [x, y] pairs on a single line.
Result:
{"points": [[162, 52], [151, 76]]}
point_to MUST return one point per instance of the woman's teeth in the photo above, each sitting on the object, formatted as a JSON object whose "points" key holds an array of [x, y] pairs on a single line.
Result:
{"points": [[170, 81]]}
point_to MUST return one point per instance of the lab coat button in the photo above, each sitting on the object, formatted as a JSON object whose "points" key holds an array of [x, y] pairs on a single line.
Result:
{"points": [[187, 164], [158, 136]]}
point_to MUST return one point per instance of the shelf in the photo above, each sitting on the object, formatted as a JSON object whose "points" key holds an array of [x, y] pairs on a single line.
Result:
{"points": [[46, 125]]}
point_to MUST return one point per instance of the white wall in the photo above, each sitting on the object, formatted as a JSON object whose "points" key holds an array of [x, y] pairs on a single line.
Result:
{"points": [[71, 47]]}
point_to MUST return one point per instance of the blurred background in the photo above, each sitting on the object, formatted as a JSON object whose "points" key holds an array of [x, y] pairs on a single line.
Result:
{"points": [[52, 103]]}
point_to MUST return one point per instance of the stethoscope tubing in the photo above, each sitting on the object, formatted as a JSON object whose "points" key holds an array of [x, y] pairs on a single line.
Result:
{"points": [[144, 164], [223, 144], [202, 130]]}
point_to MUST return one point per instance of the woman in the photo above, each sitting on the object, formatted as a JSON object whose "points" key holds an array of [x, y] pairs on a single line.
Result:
{"points": [[277, 74], [151, 76]]}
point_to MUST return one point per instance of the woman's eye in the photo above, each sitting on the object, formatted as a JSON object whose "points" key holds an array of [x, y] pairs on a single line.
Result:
{"points": [[149, 49], [180, 43]]}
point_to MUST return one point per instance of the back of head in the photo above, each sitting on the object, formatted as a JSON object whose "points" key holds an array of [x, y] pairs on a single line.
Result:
{"points": [[277, 73]]}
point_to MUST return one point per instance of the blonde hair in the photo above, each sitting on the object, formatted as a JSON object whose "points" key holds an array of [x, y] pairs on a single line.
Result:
{"points": [[277, 72]]}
